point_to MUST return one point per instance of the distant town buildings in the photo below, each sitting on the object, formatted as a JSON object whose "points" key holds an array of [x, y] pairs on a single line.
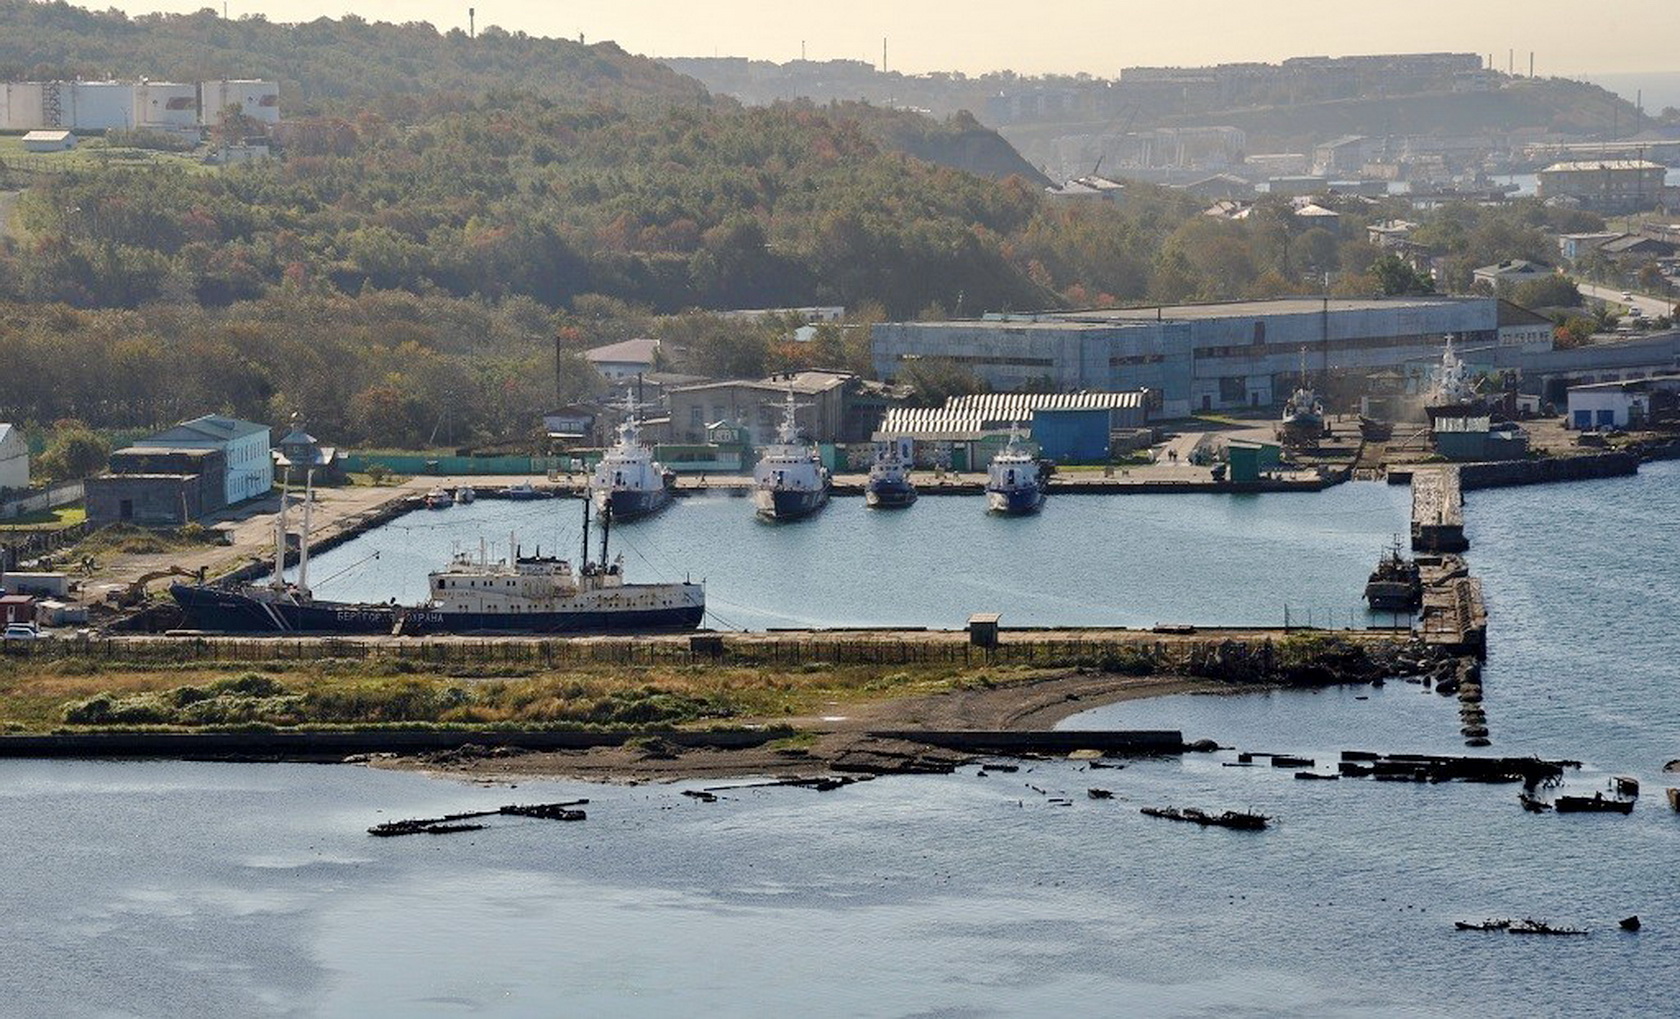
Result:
{"points": [[625, 360], [1510, 271], [1604, 185], [128, 105], [184, 473]]}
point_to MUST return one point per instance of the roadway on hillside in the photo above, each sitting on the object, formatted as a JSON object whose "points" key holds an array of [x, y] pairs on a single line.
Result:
{"points": [[1650, 307]]}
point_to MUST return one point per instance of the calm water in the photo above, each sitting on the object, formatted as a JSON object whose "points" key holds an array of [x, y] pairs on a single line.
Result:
{"points": [[208, 890], [1086, 560]]}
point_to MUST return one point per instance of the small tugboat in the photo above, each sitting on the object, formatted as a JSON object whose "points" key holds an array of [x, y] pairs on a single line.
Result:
{"points": [[465, 495], [1013, 482], [628, 482], [789, 481], [1303, 412], [438, 499], [1395, 585], [889, 479]]}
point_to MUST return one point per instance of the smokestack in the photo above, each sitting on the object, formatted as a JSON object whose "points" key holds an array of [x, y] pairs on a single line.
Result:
{"points": [[883, 54], [1511, 61], [472, 29]]}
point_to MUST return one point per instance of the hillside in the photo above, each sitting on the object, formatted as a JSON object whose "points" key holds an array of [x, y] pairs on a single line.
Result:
{"points": [[321, 63]]}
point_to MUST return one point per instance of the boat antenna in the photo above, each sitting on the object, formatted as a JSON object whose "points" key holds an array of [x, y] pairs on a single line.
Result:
{"points": [[280, 528], [606, 529], [585, 560], [303, 541]]}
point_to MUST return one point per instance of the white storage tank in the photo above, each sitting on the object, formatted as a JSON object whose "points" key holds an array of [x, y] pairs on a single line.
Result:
{"points": [[166, 104], [259, 100], [99, 105], [20, 106]]}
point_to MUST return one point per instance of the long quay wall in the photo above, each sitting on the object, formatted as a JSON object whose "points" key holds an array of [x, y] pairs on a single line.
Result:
{"points": [[1236, 655]]}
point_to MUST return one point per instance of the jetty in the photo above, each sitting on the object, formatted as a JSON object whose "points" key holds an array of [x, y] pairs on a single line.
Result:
{"points": [[1437, 510]]}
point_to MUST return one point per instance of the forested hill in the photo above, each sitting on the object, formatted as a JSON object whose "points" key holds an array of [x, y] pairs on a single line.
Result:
{"points": [[324, 60]]}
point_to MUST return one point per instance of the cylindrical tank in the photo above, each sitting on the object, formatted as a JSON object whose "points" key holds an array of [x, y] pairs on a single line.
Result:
{"points": [[99, 105], [259, 100], [165, 104], [20, 108]]}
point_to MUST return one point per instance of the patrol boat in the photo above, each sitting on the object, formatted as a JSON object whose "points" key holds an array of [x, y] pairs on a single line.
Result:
{"points": [[889, 479], [789, 480], [1303, 412], [628, 482], [517, 594], [1013, 484]]}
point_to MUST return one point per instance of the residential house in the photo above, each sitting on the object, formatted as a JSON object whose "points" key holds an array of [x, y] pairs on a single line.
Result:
{"points": [[1511, 271], [1390, 234], [626, 360]]}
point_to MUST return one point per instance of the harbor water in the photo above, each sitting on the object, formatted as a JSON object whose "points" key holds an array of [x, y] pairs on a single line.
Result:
{"points": [[1085, 560], [197, 889]]}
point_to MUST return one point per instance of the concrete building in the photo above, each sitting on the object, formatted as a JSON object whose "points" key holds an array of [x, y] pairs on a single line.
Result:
{"points": [[244, 446], [1198, 357], [1604, 185], [158, 486], [49, 141], [14, 458], [1344, 156], [755, 406], [626, 360], [1519, 327]]}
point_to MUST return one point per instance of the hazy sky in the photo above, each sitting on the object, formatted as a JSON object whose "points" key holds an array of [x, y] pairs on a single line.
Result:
{"points": [[1098, 36]]}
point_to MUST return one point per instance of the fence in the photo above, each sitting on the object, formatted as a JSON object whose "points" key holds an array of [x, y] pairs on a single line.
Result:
{"points": [[18, 545], [62, 494], [414, 464]]}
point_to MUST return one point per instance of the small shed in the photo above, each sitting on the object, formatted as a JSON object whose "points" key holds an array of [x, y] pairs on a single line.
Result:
{"points": [[49, 141], [1622, 404], [1249, 459], [983, 629], [16, 608]]}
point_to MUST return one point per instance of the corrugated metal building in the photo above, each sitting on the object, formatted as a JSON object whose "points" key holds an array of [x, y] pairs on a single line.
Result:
{"points": [[1199, 357]]}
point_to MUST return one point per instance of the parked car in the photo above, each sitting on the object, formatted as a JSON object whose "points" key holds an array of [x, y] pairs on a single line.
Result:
{"points": [[21, 631]]}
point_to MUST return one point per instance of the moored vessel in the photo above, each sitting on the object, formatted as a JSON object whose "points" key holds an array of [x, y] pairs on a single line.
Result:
{"points": [[889, 484], [1303, 412], [515, 594], [1014, 483], [628, 482], [789, 480], [1396, 584]]}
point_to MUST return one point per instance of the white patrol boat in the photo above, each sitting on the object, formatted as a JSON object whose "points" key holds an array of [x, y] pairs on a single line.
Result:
{"points": [[889, 479], [628, 482], [789, 480], [1013, 481]]}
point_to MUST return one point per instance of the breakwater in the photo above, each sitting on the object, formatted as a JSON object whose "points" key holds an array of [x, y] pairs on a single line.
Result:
{"points": [[1542, 471], [1235, 655]]}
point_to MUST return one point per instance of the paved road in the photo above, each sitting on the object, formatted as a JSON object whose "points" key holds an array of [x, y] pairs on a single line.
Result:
{"points": [[1651, 307]]}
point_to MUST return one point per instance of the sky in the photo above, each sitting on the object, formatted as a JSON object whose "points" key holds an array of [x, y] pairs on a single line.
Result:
{"points": [[1068, 36]]}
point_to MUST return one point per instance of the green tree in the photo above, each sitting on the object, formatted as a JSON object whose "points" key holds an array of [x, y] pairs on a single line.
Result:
{"points": [[1397, 278], [1554, 291], [76, 451]]}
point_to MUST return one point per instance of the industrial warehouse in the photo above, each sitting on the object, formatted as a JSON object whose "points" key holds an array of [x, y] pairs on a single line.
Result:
{"points": [[1199, 357]]}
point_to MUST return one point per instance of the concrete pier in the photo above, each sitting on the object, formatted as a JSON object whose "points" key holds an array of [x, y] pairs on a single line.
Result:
{"points": [[1437, 511]]}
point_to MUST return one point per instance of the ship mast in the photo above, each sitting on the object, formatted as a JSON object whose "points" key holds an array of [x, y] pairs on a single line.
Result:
{"points": [[303, 543], [583, 561], [279, 581]]}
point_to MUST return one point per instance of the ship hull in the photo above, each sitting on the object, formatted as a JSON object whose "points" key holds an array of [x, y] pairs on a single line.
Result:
{"points": [[889, 495], [234, 612], [1015, 501], [786, 504], [633, 504]]}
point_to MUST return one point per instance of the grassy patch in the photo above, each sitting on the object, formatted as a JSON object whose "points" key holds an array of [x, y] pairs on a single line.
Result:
{"points": [[126, 539], [44, 694], [50, 520]]}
